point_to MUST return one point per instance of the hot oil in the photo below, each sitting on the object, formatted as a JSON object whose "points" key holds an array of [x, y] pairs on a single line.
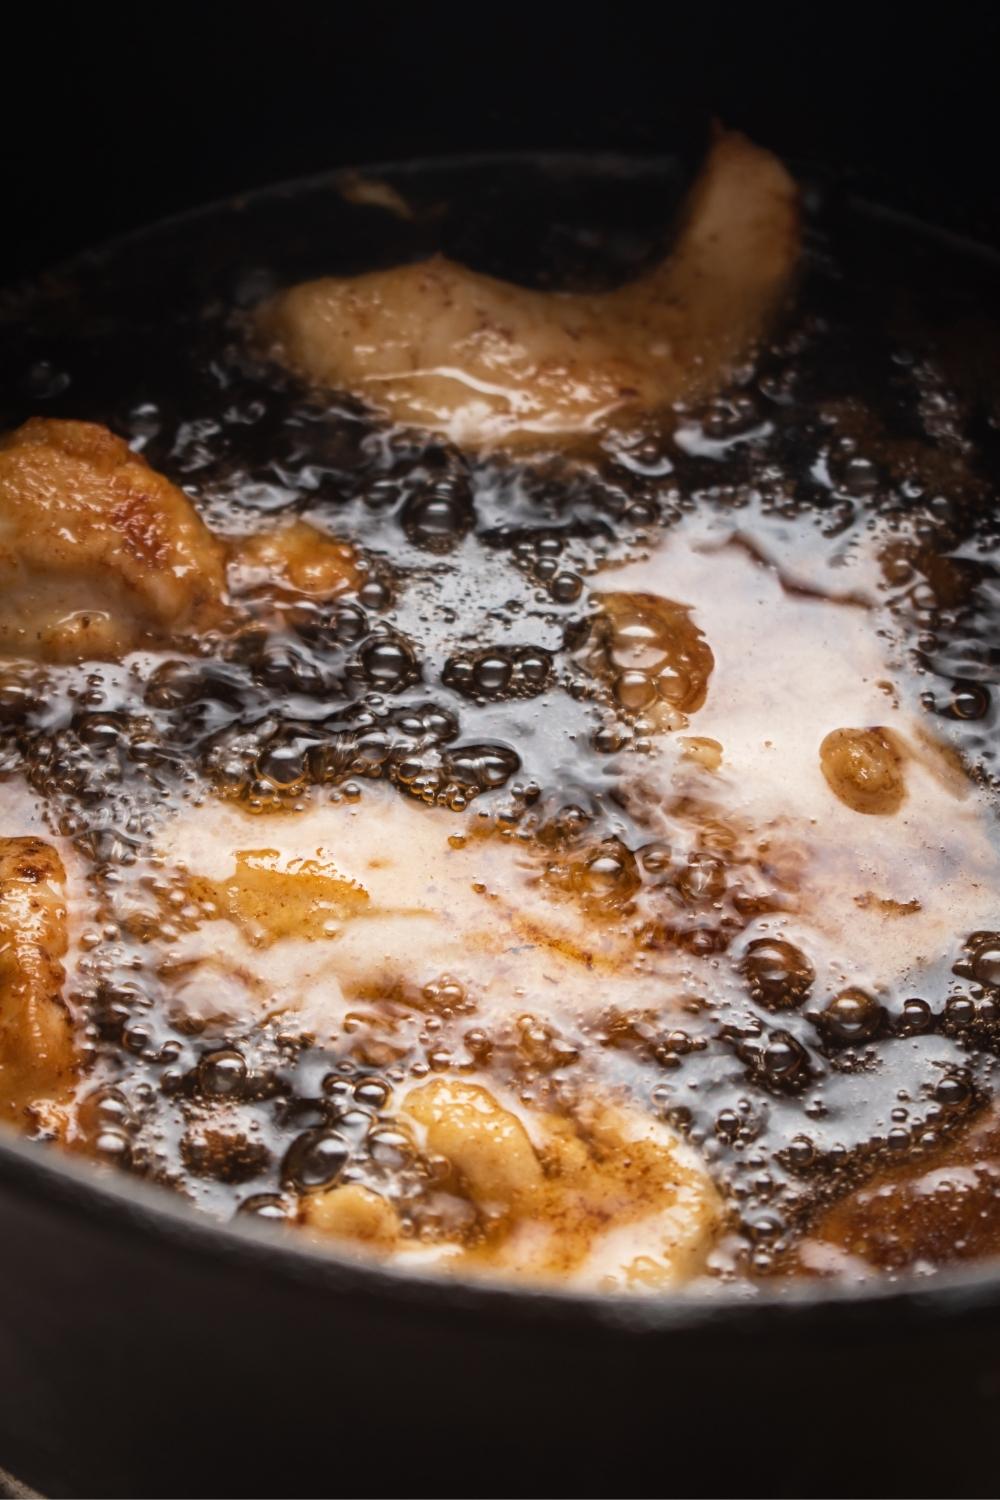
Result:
{"points": [[592, 691]]}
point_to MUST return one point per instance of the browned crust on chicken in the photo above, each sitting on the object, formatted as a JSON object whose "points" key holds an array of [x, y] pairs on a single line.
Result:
{"points": [[37, 1056], [98, 552]]}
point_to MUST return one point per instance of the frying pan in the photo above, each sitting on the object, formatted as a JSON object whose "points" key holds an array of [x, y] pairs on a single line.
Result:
{"points": [[146, 1351]]}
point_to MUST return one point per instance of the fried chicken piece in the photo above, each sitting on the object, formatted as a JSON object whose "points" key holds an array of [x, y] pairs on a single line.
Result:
{"points": [[605, 1200], [37, 1058], [98, 552], [352, 1214], [295, 559], [488, 1146], [488, 363]]}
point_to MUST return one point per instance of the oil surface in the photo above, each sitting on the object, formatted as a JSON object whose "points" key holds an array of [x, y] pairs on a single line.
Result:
{"points": [[606, 682]]}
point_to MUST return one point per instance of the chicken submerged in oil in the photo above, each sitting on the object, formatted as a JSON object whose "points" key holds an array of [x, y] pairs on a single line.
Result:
{"points": [[553, 839]]}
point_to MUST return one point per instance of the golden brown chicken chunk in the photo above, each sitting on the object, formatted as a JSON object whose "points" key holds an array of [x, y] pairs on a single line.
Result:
{"points": [[486, 362], [599, 1201], [36, 1042], [295, 559], [98, 552], [354, 1214]]}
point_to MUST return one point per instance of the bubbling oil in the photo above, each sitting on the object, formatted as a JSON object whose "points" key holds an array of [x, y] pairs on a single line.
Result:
{"points": [[695, 730]]}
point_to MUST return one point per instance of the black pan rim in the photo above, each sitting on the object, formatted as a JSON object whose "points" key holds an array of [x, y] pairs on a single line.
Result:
{"points": [[636, 163], [141, 1210], [652, 164]]}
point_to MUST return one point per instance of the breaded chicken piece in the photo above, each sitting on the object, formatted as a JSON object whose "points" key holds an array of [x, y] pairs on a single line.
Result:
{"points": [[488, 363], [605, 1201], [98, 552], [294, 559], [37, 1057]]}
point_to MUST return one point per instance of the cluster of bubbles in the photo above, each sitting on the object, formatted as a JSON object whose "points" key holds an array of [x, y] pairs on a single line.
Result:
{"points": [[499, 672], [651, 654], [412, 746], [811, 1056]]}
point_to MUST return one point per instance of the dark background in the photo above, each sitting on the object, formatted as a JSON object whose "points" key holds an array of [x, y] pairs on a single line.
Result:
{"points": [[112, 117]]}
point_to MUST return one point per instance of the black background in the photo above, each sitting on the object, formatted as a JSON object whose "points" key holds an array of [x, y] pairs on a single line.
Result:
{"points": [[111, 117]]}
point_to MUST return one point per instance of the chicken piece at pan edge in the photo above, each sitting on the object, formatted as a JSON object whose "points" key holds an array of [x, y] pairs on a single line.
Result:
{"points": [[487, 363]]}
